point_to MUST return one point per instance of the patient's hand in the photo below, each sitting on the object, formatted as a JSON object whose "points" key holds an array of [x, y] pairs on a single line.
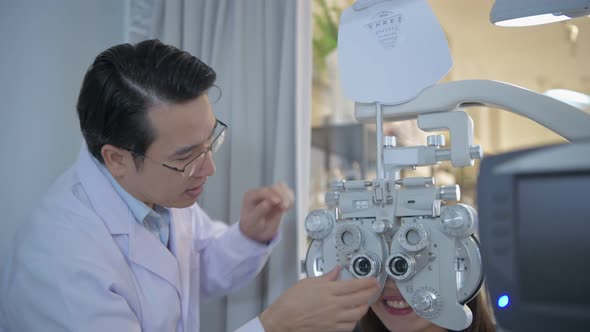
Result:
{"points": [[320, 304]]}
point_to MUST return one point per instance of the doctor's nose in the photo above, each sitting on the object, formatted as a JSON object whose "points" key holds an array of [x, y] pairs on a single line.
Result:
{"points": [[207, 167]]}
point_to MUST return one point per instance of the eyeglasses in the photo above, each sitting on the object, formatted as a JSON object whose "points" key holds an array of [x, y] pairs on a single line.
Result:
{"points": [[218, 136]]}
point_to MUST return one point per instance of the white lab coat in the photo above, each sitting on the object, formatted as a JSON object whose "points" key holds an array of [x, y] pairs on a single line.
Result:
{"points": [[83, 263]]}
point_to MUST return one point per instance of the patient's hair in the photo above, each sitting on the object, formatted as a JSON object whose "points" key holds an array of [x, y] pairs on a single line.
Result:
{"points": [[483, 320], [125, 81]]}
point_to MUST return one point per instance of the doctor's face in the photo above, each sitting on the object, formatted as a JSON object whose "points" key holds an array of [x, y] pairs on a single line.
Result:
{"points": [[183, 132], [397, 315]]}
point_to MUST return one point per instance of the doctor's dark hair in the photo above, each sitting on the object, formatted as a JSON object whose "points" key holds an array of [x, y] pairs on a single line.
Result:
{"points": [[125, 81]]}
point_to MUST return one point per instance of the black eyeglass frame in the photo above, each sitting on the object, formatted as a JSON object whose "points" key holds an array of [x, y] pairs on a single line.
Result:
{"points": [[209, 148]]}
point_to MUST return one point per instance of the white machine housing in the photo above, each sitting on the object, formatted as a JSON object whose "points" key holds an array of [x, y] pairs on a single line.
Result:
{"points": [[391, 55]]}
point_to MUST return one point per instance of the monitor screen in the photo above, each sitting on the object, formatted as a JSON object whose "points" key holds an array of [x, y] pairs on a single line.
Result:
{"points": [[553, 237]]}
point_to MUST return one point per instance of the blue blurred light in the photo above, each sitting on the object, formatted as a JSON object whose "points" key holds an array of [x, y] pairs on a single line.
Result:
{"points": [[503, 301]]}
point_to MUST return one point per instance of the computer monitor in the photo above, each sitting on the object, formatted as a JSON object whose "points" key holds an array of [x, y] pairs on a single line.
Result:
{"points": [[534, 213]]}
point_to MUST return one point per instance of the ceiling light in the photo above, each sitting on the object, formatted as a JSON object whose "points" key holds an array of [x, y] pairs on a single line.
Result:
{"points": [[515, 13]]}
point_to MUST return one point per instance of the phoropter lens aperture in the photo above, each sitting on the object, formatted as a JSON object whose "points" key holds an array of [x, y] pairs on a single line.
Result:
{"points": [[362, 266], [398, 266]]}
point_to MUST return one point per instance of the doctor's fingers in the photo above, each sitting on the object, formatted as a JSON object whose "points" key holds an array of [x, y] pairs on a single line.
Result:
{"points": [[261, 210], [353, 314], [277, 194], [346, 320], [355, 299], [285, 193], [258, 195], [348, 287]]}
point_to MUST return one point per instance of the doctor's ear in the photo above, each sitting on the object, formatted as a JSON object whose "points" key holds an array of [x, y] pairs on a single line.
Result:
{"points": [[117, 161]]}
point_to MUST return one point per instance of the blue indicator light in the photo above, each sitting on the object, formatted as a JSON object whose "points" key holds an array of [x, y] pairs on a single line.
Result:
{"points": [[503, 301]]}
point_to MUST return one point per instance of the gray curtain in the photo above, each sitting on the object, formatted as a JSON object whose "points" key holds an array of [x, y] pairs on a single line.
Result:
{"points": [[259, 49]]}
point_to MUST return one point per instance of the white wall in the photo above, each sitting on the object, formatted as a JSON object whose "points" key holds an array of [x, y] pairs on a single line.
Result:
{"points": [[45, 49]]}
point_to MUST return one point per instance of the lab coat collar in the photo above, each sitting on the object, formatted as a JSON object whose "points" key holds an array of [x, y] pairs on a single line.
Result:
{"points": [[144, 248], [105, 200]]}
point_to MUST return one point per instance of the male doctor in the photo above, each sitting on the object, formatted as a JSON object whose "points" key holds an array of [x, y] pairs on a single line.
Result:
{"points": [[119, 243]]}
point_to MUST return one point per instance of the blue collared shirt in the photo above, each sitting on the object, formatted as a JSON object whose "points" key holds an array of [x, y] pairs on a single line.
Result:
{"points": [[156, 220]]}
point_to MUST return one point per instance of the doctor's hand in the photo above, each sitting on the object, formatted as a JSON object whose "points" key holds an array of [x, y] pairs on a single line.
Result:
{"points": [[262, 210], [320, 304]]}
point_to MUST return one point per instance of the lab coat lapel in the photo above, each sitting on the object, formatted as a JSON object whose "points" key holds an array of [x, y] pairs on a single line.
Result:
{"points": [[145, 249], [181, 247]]}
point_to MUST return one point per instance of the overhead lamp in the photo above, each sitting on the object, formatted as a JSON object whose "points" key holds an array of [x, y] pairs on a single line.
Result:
{"points": [[515, 13]]}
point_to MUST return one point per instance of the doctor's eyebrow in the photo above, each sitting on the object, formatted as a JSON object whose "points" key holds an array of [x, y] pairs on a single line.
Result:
{"points": [[186, 149]]}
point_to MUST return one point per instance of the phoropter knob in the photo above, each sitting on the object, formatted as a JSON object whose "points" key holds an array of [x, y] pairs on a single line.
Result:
{"points": [[319, 224], [449, 193]]}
